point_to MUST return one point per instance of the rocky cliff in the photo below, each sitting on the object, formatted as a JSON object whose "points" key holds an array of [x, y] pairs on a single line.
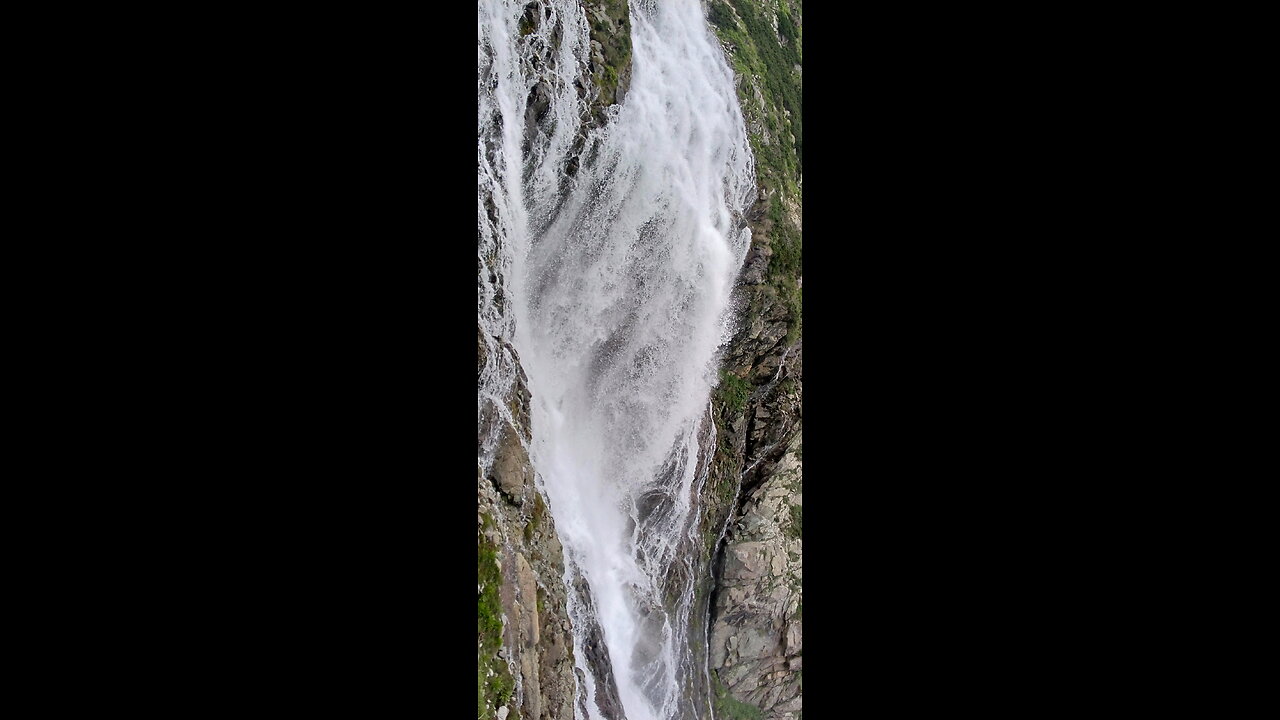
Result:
{"points": [[751, 518], [755, 634], [525, 648]]}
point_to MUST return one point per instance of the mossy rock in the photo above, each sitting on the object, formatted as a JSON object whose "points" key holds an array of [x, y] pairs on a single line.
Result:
{"points": [[610, 24]]}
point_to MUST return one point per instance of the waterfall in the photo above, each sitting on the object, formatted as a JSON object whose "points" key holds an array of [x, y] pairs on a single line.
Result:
{"points": [[607, 253]]}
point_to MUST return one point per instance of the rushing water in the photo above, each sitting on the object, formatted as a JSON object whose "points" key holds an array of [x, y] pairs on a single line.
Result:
{"points": [[607, 256]]}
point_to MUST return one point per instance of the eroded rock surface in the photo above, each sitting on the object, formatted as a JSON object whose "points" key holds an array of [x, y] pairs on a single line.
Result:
{"points": [[756, 631]]}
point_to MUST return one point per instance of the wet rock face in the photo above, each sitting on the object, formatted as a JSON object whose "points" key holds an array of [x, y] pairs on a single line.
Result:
{"points": [[610, 28], [756, 628], [597, 655], [535, 677], [536, 641]]}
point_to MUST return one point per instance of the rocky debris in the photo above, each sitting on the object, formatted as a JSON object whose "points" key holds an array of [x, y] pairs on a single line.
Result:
{"points": [[756, 627]]}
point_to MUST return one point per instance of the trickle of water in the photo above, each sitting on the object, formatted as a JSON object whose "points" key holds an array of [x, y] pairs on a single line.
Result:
{"points": [[613, 283]]}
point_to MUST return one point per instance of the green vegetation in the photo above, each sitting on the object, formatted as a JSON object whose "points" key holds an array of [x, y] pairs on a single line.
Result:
{"points": [[489, 625], [529, 20], [727, 707], [768, 59], [535, 520], [539, 508], [722, 484], [614, 36], [785, 266], [501, 686], [786, 242], [734, 392], [496, 690], [758, 52]]}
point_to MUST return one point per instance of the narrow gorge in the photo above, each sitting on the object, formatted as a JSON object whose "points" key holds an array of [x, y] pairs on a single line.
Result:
{"points": [[639, 347]]}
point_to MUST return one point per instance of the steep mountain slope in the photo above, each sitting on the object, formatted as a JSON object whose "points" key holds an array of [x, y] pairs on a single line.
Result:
{"points": [[749, 607]]}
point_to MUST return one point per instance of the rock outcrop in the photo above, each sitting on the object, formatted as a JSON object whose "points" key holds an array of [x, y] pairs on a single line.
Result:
{"points": [[755, 487], [756, 633]]}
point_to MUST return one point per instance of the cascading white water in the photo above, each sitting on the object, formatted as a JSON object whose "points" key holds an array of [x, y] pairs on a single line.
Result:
{"points": [[613, 284]]}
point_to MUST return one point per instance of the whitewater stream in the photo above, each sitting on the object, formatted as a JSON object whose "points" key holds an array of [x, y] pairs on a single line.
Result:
{"points": [[607, 253]]}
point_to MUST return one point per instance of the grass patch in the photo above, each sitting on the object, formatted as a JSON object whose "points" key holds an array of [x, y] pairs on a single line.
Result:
{"points": [[734, 392], [489, 618], [767, 59], [787, 252], [758, 52], [786, 266], [501, 686], [495, 690], [729, 708], [615, 44]]}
